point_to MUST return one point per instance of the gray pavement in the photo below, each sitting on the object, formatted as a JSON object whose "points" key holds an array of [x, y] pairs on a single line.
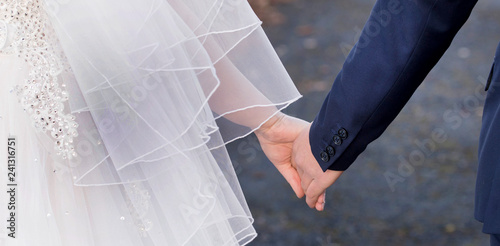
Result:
{"points": [[432, 204]]}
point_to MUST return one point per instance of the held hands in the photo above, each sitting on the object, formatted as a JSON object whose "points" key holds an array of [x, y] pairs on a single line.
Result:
{"points": [[313, 180], [276, 138], [285, 141]]}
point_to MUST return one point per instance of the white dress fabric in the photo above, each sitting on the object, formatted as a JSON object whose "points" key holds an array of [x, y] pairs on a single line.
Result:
{"points": [[120, 111]]}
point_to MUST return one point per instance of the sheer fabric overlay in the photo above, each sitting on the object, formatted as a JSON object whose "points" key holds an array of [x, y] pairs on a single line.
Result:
{"points": [[156, 88]]}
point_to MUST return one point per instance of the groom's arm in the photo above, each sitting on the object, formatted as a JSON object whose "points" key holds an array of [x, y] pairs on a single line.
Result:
{"points": [[400, 43]]}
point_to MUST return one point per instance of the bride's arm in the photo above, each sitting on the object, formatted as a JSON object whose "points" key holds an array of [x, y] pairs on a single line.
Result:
{"points": [[235, 90], [239, 101], [236, 98]]}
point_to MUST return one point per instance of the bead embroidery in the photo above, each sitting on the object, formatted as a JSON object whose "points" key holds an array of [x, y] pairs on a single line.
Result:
{"points": [[25, 32], [138, 199]]}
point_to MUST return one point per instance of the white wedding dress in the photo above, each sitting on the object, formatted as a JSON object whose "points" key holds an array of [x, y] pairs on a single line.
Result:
{"points": [[120, 111]]}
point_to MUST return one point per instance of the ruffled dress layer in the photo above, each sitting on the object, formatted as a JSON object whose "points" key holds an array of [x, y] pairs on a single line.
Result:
{"points": [[120, 111]]}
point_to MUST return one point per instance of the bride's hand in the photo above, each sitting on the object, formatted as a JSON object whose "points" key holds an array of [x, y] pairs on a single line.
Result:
{"points": [[276, 138]]}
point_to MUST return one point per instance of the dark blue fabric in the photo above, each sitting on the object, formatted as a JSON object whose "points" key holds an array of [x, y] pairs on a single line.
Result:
{"points": [[400, 43], [487, 205], [494, 240]]}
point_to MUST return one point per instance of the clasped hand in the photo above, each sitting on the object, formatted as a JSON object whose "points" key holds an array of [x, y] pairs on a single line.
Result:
{"points": [[285, 142]]}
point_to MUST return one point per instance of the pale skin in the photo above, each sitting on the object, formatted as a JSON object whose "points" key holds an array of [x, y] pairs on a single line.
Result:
{"points": [[285, 141], [314, 181]]}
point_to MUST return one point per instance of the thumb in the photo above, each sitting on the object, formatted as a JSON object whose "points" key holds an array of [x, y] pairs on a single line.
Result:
{"points": [[314, 191], [318, 186]]}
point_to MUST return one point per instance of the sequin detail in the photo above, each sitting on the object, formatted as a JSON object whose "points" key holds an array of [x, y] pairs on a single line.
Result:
{"points": [[138, 203], [25, 31]]}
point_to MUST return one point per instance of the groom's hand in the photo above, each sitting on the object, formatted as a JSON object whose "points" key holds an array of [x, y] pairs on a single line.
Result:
{"points": [[276, 138], [313, 180]]}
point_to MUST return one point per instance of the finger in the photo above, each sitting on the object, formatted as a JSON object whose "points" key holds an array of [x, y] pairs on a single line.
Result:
{"points": [[292, 177], [320, 204], [305, 181], [319, 185], [313, 192], [295, 166], [305, 176]]}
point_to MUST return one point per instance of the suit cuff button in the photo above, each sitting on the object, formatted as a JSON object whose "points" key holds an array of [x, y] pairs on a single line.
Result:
{"points": [[337, 140], [324, 156], [343, 133], [330, 150]]}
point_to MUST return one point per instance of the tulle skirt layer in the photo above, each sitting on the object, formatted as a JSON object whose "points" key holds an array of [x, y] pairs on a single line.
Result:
{"points": [[156, 88]]}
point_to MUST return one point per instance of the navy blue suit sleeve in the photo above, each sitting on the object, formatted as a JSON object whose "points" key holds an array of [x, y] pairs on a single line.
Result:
{"points": [[400, 43]]}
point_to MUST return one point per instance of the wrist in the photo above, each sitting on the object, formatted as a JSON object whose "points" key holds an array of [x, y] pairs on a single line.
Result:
{"points": [[270, 124]]}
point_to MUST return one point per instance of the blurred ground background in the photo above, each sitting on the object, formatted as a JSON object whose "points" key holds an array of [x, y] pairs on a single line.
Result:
{"points": [[433, 202]]}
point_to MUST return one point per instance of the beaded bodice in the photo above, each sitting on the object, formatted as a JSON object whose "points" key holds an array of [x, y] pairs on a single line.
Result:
{"points": [[25, 31]]}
